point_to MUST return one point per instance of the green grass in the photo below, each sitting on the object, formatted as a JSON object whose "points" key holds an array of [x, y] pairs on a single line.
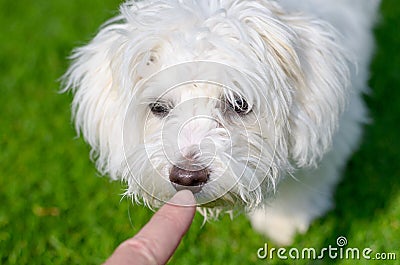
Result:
{"points": [[54, 209]]}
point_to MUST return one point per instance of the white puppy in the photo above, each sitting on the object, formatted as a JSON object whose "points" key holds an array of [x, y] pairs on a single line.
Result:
{"points": [[252, 104]]}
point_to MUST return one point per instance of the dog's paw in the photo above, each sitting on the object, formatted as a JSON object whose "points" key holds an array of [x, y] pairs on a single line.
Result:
{"points": [[278, 227]]}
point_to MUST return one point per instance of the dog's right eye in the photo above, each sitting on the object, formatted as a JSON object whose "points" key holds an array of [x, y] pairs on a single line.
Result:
{"points": [[159, 109]]}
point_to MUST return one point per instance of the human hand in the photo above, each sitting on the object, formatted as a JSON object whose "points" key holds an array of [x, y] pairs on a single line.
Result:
{"points": [[158, 239]]}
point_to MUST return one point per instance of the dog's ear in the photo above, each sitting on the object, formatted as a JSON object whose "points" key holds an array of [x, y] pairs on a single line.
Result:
{"points": [[309, 73], [102, 77], [320, 97]]}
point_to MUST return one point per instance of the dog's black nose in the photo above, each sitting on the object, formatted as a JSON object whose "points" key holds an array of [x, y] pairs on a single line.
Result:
{"points": [[188, 178]]}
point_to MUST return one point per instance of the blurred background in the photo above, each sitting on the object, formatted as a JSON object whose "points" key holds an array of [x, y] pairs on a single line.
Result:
{"points": [[56, 209]]}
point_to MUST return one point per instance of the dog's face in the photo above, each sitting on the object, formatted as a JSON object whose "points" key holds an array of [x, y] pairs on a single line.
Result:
{"points": [[219, 97], [201, 127]]}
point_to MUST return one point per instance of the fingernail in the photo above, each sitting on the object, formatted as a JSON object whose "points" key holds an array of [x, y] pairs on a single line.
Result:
{"points": [[183, 198]]}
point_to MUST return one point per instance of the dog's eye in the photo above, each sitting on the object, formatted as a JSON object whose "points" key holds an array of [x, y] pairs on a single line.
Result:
{"points": [[159, 109], [240, 106]]}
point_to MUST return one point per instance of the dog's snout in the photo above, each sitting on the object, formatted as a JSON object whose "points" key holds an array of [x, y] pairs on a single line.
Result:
{"points": [[192, 179]]}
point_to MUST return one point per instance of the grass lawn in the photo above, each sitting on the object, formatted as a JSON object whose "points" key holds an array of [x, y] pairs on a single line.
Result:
{"points": [[55, 209]]}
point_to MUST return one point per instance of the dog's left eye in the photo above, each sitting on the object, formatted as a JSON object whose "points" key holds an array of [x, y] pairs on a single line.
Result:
{"points": [[159, 109], [240, 106]]}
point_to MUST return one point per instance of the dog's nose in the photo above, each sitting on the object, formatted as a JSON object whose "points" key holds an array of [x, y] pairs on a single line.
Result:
{"points": [[192, 179]]}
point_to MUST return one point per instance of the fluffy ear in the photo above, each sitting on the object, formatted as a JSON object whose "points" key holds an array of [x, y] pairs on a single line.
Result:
{"points": [[102, 77], [320, 98], [309, 76], [91, 78]]}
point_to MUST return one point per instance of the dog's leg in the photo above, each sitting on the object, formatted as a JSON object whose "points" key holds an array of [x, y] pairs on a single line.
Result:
{"points": [[297, 203], [308, 194]]}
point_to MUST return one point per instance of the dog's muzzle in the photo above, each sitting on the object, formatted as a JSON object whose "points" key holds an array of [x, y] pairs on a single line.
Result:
{"points": [[190, 177]]}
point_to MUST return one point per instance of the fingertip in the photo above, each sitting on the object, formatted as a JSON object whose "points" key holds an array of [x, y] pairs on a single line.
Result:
{"points": [[169, 224], [183, 198]]}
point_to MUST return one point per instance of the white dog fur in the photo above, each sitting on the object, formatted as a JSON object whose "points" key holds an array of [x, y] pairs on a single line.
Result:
{"points": [[273, 111]]}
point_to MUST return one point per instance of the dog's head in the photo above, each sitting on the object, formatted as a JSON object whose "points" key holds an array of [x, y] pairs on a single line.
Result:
{"points": [[219, 97]]}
